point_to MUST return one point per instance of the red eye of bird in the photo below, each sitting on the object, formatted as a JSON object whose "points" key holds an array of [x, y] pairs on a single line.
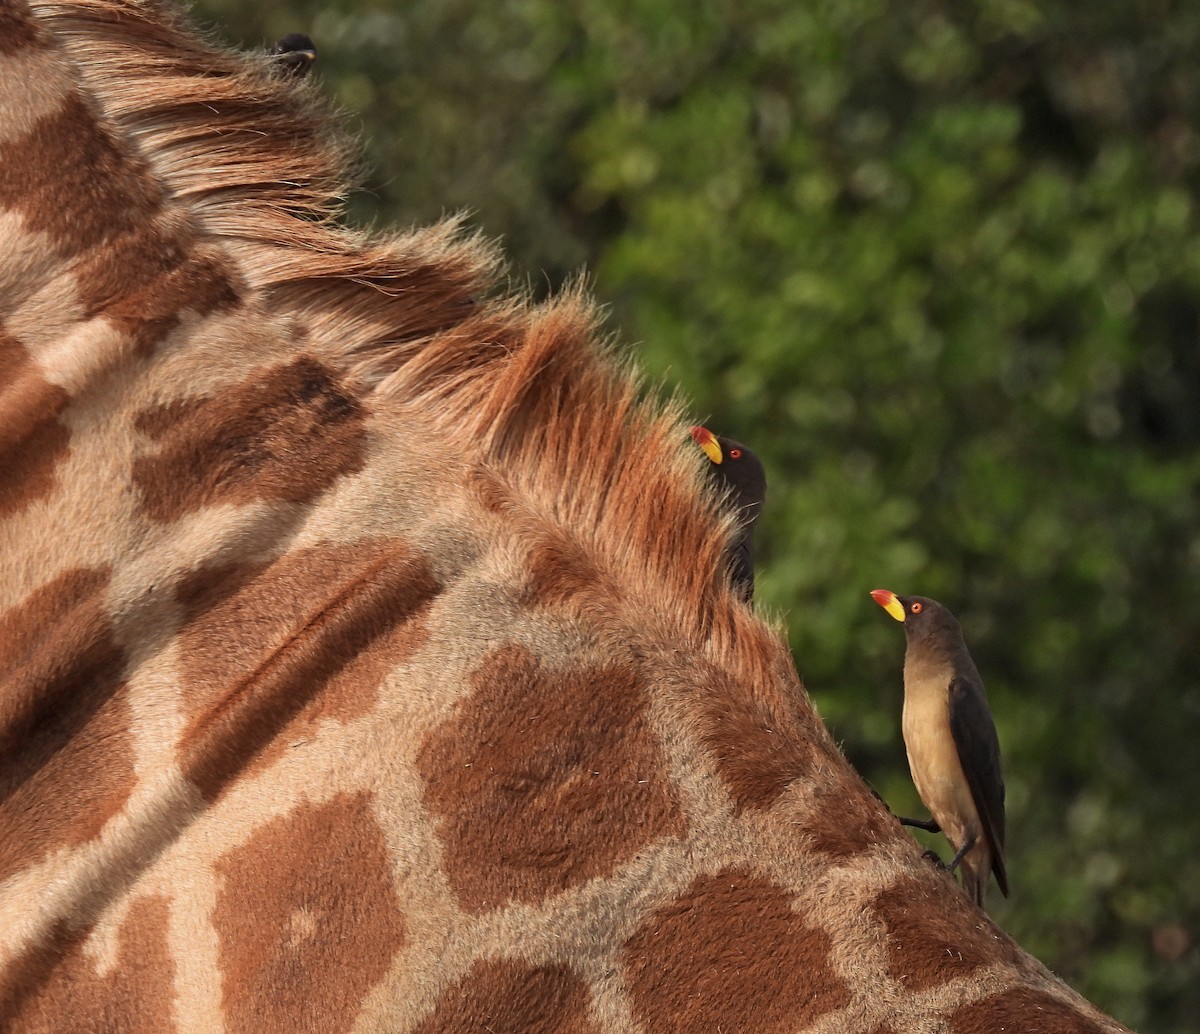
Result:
{"points": [[916, 608], [735, 454]]}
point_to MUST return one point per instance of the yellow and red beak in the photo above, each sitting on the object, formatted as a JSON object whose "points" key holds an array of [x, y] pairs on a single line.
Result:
{"points": [[703, 437], [887, 600]]}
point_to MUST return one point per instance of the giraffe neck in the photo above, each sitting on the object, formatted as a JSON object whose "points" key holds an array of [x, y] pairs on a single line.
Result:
{"points": [[323, 704]]}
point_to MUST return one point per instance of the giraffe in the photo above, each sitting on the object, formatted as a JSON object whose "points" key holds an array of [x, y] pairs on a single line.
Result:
{"points": [[350, 677]]}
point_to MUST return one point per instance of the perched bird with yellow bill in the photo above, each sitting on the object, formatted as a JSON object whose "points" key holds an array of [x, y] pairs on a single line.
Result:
{"points": [[953, 751], [738, 470]]}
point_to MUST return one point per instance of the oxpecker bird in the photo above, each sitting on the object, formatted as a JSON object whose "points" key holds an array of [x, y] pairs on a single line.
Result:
{"points": [[737, 469], [953, 752], [296, 53]]}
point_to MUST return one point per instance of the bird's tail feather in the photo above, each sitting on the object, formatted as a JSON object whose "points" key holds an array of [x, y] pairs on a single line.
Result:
{"points": [[975, 876]]}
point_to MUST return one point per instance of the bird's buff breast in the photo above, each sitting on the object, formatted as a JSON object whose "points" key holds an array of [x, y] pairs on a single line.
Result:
{"points": [[933, 762]]}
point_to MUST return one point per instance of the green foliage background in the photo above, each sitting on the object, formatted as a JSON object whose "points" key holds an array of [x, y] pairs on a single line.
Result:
{"points": [[940, 264]]}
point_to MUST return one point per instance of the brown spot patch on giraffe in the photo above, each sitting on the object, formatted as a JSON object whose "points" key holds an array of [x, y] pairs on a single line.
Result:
{"points": [[18, 32], [286, 433], [159, 420], [934, 936], [27, 972], [96, 191], [846, 820], [135, 996], [760, 740], [143, 280], [1021, 1009], [329, 622], [33, 438], [308, 919], [505, 996], [544, 779], [559, 570], [731, 954], [64, 719]]}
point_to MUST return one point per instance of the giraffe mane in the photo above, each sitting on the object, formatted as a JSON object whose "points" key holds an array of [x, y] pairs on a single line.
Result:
{"points": [[530, 393]]}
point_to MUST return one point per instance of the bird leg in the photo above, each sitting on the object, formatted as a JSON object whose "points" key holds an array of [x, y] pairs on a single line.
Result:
{"points": [[958, 857], [929, 825]]}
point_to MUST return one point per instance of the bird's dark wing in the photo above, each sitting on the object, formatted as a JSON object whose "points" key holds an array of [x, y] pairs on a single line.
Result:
{"points": [[979, 754], [741, 567]]}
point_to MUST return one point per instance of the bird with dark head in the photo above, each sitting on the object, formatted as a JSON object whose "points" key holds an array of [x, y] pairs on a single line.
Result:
{"points": [[736, 469], [295, 53], [953, 751]]}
